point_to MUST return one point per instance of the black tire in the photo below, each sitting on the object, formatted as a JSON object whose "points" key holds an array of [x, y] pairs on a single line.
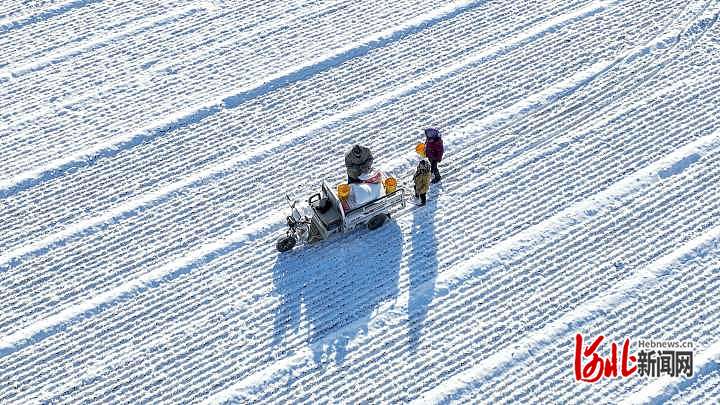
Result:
{"points": [[376, 222], [286, 243]]}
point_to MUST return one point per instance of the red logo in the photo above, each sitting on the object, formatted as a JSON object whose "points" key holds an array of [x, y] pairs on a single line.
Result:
{"points": [[590, 367]]}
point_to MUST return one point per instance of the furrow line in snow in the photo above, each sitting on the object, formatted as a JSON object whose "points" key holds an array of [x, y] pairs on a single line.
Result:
{"points": [[693, 19], [16, 71], [243, 35], [11, 23], [665, 41], [165, 92], [642, 314], [43, 328], [216, 139], [99, 20], [198, 293], [289, 140], [236, 97], [208, 360], [701, 391], [530, 217], [170, 269], [555, 143], [148, 280], [496, 301], [510, 247], [130, 113], [637, 312], [105, 89], [455, 386], [659, 43]]}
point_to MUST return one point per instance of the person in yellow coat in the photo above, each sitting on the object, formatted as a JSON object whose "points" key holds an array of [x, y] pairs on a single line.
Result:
{"points": [[422, 181]]}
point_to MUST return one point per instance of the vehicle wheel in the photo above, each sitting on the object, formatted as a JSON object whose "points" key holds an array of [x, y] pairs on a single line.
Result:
{"points": [[376, 222], [286, 243]]}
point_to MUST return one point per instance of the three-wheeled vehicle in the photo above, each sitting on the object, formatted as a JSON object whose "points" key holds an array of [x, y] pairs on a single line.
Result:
{"points": [[327, 212]]}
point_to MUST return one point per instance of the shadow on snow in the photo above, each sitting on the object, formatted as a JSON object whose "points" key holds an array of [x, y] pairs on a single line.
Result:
{"points": [[334, 287], [422, 268]]}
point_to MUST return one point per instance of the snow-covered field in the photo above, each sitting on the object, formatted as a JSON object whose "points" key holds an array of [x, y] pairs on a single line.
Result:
{"points": [[146, 146]]}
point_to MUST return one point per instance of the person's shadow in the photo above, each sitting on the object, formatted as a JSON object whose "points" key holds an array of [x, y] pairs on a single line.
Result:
{"points": [[332, 288], [422, 267]]}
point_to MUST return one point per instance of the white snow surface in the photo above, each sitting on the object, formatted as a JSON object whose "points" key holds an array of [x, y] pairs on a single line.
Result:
{"points": [[146, 147]]}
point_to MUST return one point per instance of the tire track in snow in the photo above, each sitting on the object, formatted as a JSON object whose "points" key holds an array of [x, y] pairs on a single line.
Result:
{"points": [[233, 99], [254, 155], [572, 216], [9, 24]]}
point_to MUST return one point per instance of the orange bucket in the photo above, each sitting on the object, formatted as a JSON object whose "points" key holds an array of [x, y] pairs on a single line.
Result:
{"points": [[390, 185], [420, 149], [343, 191]]}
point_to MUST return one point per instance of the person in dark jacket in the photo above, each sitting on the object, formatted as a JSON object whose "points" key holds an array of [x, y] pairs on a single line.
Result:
{"points": [[358, 161], [422, 181], [434, 151]]}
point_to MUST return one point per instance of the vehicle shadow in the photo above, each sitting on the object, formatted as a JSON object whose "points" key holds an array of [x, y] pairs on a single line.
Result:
{"points": [[331, 289], [422, 268]]}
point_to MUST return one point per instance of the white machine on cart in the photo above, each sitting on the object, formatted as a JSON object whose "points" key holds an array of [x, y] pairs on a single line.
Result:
{"points": [[327, 212]]}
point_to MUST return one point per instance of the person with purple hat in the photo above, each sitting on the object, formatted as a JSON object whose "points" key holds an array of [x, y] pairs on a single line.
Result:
{"points": [[434, 151]]}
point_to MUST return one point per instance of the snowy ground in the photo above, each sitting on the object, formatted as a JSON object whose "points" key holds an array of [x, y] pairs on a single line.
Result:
{"points": [[145, 147]]}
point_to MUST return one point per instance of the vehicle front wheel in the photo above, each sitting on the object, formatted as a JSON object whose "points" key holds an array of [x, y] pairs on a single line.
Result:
{"points": [[286, 243], [376, 222]]}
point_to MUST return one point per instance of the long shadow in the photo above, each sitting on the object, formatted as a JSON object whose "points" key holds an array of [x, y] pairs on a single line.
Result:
{"points": [[332, 289], [422, 268]]}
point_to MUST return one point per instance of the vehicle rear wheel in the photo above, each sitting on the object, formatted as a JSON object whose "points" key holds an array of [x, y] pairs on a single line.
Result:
{"points": [[286, 243], [376, 222]]}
